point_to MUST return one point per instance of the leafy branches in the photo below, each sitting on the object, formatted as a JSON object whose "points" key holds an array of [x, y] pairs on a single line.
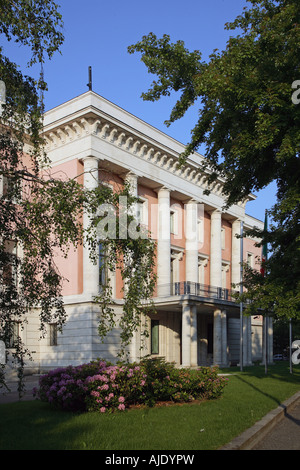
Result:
{"points": [[175, 67], [36, 24], [133, 256], [247, 121], [41, 214]]}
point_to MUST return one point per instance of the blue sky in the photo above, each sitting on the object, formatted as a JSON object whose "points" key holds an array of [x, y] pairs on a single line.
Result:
{"points": [[97, 33]]}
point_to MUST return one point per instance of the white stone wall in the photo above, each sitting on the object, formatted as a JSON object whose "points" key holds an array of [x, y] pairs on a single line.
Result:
{"points": [[78, 343]]}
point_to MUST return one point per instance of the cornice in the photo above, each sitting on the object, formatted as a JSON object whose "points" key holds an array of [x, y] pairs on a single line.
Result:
{"points": [[90, 122]]}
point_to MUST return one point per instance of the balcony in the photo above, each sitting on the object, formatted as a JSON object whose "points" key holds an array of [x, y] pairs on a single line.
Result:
{"points": [[194, 289]]}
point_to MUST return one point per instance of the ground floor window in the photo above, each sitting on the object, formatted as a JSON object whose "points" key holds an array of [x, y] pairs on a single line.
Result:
{"points": [[154, 336], [14, 335], [53, 334], [210, 338]]}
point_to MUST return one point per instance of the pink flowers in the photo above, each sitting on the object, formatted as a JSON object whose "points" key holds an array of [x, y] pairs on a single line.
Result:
{"points": [[116, 388], [108, 388], [104, 387]]}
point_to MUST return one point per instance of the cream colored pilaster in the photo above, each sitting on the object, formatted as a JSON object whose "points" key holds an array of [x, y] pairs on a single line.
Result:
{"points": [[236, 252], [132, 180], [217, 348], [90, 270], [191, 241], [224, 345], [194, 336], [189, 336], [186, 334], [216, 249], [163, 243]]}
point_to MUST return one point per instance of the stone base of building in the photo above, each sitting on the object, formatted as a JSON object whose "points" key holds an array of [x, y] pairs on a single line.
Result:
{"points": [[184, 332]]}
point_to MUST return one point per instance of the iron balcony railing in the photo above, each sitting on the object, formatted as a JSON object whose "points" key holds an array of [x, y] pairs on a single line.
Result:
{"points": [[195, 289]]}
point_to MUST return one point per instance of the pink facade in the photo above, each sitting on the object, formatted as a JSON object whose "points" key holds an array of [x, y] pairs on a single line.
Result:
{"points": [[72, 267], [197, 322]]}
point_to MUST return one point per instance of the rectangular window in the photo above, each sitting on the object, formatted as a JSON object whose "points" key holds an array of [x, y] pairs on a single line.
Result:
{"points": [[103, 270], [210, 338], [14, 335], [154, 336], [8, 188], [142, 212], [4, 186], [174, 222], [9, 271], [250, 260], [53, 334], [139, 212], [223, 238], [200, 226]]}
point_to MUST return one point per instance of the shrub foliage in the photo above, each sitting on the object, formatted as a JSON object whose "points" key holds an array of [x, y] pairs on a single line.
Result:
{"points": [[105, 387]]}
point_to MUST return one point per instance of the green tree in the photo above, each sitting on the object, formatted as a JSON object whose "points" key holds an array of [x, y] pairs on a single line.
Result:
{"points": [[249, 125], [281, 333], [40, 214]]}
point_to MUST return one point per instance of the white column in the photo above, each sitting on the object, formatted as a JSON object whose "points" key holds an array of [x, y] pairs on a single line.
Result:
{"points": [[217, 351], [132, 231], [189, 318], [2, 95], [132, 180], [163, 243], [194, 336], [186, 335], [270, 339], [225, 361], [249, 341], [191, 241], [90, 270], [235, 254], [267, 339], [215, 249]]}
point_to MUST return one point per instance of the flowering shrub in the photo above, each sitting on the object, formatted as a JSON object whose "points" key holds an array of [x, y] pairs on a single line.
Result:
{"points": [[65, 387], [104, 387], [167, 383], [115, 388]]}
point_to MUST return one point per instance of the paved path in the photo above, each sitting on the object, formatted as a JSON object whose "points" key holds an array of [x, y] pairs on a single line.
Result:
{"points": [[30, 381], [278, 430], [286, 433]]}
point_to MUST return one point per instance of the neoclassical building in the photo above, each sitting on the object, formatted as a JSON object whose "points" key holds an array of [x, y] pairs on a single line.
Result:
{"points": [[197, 321]]}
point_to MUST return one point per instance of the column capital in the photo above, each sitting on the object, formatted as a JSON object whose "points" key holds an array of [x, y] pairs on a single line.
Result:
{"points": [[131, 176], [215, 213], [162, 190], [237, 221], [132, 179], [91, 168], [90, 158], [191, 200]]}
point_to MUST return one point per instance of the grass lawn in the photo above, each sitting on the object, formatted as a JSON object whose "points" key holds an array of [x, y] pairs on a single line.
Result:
{"points": [[248, 396]]}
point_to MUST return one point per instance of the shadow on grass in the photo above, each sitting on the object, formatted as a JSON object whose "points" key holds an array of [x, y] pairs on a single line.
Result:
{"points": [[39, 427], [278, 371]]}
